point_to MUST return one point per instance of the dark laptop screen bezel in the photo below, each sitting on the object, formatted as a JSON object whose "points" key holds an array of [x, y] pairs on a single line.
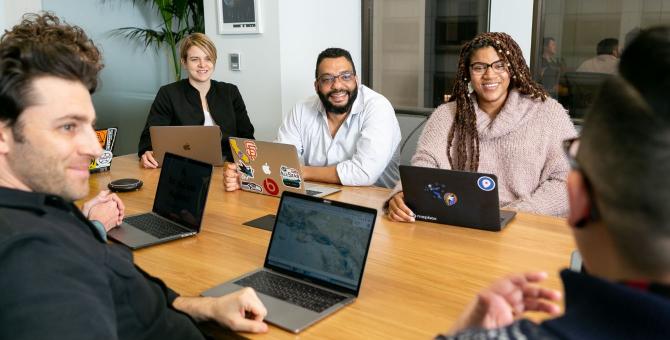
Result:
{"points": [[312, 279], [162, 179]]}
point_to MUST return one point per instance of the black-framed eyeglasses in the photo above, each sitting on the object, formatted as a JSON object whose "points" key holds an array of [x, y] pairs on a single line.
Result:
{"points": [[480, 68], [571, 147], [329, 79]]}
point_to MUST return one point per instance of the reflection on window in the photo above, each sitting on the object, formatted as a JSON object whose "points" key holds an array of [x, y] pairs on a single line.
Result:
{"points": [[416, 45], [580, 42]]}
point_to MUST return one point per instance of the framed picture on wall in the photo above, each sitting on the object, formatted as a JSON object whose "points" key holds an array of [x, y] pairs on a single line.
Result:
{"points": [[239, 16]]}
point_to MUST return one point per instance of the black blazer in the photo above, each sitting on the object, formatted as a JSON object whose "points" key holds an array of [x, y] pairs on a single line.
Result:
{"points": [[179, 104]]}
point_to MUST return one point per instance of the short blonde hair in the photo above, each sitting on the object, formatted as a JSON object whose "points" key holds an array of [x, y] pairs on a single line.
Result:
{"points": [[199, 40]]}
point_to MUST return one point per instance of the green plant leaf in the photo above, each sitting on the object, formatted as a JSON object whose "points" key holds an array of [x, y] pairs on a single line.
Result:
{"points": [[180, 18]]}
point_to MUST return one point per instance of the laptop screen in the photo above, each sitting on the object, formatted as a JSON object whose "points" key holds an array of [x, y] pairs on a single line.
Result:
{"points": [[321, 240], [182, 190]]}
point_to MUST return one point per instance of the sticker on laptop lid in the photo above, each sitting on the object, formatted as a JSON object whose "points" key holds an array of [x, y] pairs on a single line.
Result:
{"points": [[486, 183], [246, 170], [266, 169], [436, 190], [290, 176], [271, 186], [106, 138], [238, 151], [450, 199], [251, 186], [250, 148], [105, 158]]}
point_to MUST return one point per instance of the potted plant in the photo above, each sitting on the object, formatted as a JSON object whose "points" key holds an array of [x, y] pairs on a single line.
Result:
{"points": [[180, 18]]}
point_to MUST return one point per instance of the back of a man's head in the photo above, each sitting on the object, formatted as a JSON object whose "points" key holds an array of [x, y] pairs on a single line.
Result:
{"points": [[42, 46], [645, 63], [625, 155], [607, 46]]}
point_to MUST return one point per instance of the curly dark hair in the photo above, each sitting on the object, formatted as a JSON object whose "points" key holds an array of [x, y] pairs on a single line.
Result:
{"points": [[463, 136], [333, 52], [39, 46]]}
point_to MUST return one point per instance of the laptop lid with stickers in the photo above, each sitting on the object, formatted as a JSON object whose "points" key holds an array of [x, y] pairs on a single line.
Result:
{"points": [[468, 199], [106, 138], [271, 168], [265, 167]]}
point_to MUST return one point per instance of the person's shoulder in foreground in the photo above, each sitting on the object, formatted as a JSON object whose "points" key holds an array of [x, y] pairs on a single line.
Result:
{"points": [[59, 276], [618, 216]]}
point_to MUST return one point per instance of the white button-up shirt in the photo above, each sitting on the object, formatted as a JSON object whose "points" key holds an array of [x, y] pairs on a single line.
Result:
{"points": [[365, 147]]}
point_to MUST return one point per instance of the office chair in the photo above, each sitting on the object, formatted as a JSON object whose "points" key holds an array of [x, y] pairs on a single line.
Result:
{"points": [[582, 90]]}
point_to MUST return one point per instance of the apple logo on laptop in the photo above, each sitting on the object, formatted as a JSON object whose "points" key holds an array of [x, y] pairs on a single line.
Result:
{"points": [[187, 147], [266, 168]]}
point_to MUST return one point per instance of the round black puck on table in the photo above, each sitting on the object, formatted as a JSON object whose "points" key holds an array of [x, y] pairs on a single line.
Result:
{"points": [[125, 184]]}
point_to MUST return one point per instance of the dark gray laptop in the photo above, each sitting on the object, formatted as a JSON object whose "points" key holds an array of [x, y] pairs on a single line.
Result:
{"points": [[468, 199], [178, 208], [315, 260]]}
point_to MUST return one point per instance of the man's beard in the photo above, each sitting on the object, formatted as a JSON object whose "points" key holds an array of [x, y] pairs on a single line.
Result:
{"points": [[330, 108]]}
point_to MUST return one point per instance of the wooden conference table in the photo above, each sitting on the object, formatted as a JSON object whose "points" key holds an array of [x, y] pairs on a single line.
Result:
{"points": [[418, 276]]}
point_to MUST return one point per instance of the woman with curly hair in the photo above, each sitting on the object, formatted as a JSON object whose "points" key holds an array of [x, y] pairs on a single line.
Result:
{"points": [[498, 120]]}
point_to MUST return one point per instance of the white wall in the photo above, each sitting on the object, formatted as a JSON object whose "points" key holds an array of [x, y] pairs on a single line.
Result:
{"points": [[278, 65], [259, 80], [307, 27], [11, 11], [514, 17], [131, 76]]}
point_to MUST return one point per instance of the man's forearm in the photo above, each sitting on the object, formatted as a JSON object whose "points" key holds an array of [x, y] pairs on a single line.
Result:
{"points": [[326, 174]]}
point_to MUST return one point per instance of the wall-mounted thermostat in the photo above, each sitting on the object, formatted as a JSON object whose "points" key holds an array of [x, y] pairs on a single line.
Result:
{"points": [[234, 61]]}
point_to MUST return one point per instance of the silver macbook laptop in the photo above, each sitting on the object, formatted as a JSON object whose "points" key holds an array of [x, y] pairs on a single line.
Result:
{"points": [[178, 208], [315, 260], [271, 168], [202, 143]]}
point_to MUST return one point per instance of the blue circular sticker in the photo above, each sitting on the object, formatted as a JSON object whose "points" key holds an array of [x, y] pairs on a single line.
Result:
{"points": [[486, 183]]}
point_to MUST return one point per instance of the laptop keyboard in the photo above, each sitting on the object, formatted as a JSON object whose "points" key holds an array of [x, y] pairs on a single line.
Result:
{"points": [[154, 225], [312, 192], [292, 291]]}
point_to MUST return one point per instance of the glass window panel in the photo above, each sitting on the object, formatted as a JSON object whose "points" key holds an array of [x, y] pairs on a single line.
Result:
{"points": [[570, 67], [415, 48]]}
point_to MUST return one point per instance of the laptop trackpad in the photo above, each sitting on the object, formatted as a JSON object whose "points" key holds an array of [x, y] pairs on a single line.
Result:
{"points": [[131, 236], [280, 313]]}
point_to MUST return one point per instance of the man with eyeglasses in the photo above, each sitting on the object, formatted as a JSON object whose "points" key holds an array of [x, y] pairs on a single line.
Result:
{"points": [[618, 190], [347, 134]]}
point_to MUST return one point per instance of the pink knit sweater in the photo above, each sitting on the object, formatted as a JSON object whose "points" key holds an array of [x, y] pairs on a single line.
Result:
{"points": [[522, 146]]}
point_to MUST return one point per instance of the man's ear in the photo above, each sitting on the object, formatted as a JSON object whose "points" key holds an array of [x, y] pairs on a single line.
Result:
{"points": [[6, 137], [316, 86], [579, 199]]}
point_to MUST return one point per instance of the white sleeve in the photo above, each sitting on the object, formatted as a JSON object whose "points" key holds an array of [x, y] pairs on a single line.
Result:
{"points": [[378, 141], [289, 130]]}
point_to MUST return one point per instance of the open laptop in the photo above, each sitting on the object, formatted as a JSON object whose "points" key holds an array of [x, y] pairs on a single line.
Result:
{"points": [[461, 198], [272, 168], [199, 142], [315, 260], [106, 138], [178, 208]]}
